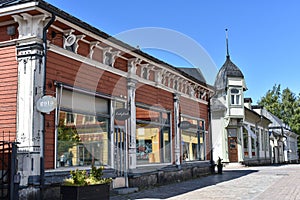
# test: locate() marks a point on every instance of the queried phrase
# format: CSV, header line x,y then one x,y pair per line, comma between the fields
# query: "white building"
x,y
240,135
283,141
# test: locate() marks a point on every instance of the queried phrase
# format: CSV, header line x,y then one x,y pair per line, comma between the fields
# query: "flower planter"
x,y
88,192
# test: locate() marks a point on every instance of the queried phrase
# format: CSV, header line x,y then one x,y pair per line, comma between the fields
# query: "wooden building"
x,y
73,96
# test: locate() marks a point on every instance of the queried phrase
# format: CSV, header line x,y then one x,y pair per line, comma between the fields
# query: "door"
x,y
232,148
119,151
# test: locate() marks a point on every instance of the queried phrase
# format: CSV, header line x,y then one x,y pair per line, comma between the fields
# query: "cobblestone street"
x,y
271,182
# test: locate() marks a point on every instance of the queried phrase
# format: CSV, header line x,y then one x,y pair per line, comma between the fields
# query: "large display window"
x,y
193,140
153,137
82,132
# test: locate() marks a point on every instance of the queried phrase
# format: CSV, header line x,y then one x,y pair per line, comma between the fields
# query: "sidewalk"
x,y
272,182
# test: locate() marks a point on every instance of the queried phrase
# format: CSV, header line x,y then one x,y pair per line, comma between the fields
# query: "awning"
x,y
250,132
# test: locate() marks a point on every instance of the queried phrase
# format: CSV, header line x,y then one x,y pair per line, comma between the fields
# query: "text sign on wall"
x,y
46,104
122,114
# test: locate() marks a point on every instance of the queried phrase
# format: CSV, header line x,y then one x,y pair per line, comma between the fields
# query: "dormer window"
x,y
235,96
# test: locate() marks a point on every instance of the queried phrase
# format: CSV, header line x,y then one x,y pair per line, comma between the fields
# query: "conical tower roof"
x,y
229,69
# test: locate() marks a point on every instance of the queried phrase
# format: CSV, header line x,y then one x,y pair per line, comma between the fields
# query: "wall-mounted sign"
x,y
46,104
122,114
184,125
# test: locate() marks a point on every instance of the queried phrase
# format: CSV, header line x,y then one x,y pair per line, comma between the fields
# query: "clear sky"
x,y
264,35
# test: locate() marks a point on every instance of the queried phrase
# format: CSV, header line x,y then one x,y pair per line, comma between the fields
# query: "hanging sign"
x,y
46,104
184,125
122,114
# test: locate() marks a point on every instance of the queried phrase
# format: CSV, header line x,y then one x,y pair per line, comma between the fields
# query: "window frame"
x,y
235,97
162,124
200,132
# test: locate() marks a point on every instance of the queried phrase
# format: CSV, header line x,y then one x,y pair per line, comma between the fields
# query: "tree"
x,y
285,105
288,102
295,119
271,101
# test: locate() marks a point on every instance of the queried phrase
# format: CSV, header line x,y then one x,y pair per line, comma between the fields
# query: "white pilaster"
x,y
176,129
131,87
29,120
249,143
30,89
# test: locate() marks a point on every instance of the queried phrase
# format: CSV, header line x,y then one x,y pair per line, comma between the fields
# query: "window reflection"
x,y
152,136
82,142
192,140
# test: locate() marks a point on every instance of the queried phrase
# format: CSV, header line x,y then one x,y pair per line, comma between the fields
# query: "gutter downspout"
x,y
42,161
212,163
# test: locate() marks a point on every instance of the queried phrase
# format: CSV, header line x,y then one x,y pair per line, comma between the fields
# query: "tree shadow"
x,y
174,189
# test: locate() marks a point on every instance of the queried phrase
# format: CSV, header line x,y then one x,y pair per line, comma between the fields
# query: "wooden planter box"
x,y
89,192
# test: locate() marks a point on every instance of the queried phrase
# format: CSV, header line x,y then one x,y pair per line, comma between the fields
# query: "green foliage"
x,y
285,105
271,101
81,178
67,138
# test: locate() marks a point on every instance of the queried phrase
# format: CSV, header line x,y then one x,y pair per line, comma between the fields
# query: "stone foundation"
x,y
257,162
147,177
142,177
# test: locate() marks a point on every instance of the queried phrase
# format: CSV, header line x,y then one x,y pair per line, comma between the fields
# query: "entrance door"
x,y
232,147
119,151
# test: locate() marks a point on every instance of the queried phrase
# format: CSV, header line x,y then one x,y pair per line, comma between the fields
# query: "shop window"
x,y
193,140
235,96
153,137
84,142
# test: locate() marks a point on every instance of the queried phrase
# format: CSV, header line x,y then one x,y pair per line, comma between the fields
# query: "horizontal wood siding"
x,y
8,93
194,109
77,74
3,33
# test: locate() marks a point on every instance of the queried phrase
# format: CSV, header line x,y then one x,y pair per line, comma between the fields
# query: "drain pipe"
x,y
212,163
42,160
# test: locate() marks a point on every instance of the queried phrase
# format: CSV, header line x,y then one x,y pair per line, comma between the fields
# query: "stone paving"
x,y
259,183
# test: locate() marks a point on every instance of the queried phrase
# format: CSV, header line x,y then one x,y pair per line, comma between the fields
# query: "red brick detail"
x,y
8,92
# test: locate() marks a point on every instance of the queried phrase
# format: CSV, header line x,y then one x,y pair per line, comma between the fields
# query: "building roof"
x,y
194,72
229,69
62,14
4,3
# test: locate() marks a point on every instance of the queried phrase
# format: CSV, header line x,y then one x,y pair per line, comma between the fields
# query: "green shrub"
x,y
81,178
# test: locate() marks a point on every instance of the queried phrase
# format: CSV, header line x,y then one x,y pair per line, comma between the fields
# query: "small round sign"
x,y
46,104
122,114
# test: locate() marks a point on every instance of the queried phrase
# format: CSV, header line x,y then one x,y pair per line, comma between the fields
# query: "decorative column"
x,y
30,89
176,98
241,150
131,88
249,143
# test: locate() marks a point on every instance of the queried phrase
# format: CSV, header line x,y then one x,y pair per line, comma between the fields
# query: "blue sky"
x,y
264,36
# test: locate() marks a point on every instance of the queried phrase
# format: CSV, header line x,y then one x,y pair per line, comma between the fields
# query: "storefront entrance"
x,y
119,151
232,149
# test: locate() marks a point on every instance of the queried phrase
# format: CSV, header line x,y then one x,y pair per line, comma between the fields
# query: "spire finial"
x,y
227,49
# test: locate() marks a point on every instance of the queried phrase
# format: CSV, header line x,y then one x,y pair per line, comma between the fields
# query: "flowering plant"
x,y
81,178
